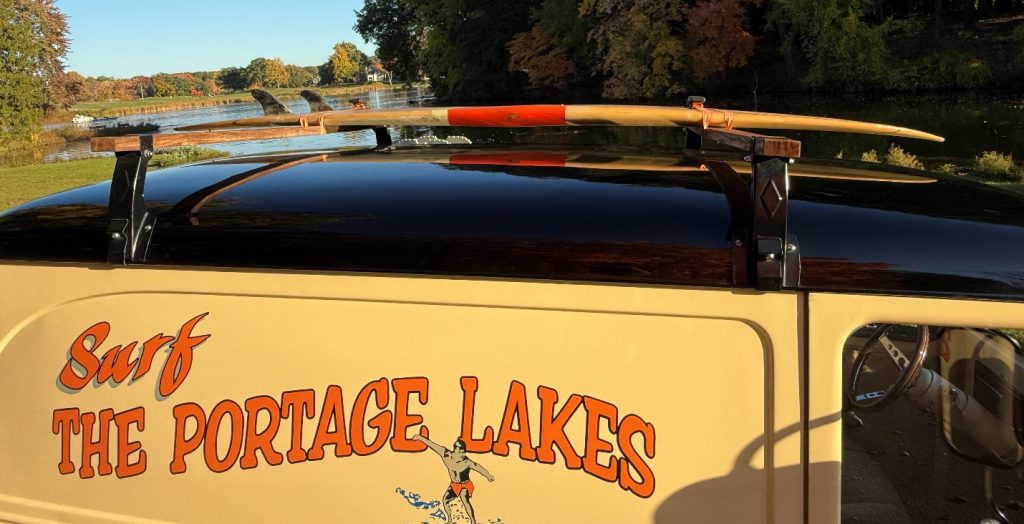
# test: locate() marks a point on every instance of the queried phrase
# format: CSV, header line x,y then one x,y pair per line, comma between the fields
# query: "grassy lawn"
x,y
22,184
172,103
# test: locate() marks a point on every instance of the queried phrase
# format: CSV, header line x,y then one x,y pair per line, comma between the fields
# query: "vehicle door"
x,y
946,447
205,394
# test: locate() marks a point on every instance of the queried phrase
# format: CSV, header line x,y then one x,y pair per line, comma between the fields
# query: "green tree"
x,y
658,49
393,26
326,74
356,55
21,88
298,76
343,64
33,41
642,45
842,51
233,79
266,72
163,86
50,29
464,51
183,83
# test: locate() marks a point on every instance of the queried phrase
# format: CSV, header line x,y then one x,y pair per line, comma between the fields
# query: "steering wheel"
x,y
906,368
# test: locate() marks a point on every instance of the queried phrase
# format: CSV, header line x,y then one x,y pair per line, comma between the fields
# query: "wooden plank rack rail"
x,y
764,253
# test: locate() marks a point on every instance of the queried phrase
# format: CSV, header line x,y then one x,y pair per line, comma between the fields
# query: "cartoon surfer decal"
x,y
458,469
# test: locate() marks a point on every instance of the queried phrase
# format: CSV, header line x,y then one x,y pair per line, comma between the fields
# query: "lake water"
x,y
971,124
172,119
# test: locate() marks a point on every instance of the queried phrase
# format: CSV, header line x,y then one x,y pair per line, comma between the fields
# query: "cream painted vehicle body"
x,y
601,330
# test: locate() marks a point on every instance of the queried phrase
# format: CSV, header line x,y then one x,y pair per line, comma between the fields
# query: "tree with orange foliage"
x,y
718,39
538,54
210,87
141,86
64,90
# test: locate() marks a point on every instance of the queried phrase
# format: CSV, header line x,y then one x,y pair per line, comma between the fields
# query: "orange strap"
x,y
304,121
706,115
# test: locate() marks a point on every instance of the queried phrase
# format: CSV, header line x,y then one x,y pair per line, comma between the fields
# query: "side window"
x,y
933,425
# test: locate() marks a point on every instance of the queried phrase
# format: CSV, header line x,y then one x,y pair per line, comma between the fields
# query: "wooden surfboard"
x,y
568,115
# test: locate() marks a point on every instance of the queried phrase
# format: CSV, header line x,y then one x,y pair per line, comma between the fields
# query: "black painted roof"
x,y
545,213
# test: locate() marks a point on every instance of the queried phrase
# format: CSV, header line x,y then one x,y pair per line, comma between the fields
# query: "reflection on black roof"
x,y
553,213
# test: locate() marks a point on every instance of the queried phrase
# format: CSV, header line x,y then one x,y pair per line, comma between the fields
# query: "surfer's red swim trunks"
x,y
457,487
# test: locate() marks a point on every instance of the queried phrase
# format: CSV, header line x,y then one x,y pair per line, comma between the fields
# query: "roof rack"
x,y
764,253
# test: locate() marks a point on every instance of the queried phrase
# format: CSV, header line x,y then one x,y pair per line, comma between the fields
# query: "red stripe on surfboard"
x,y
509,159
507,116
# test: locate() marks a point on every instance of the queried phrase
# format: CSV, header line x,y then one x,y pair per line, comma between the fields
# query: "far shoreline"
x,y
142,106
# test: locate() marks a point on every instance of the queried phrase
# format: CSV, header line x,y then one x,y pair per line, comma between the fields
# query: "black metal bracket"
x,y
737,193
776,252
765,254
131,225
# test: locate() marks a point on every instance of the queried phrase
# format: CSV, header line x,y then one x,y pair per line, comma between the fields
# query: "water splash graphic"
x,y
458,512
416,501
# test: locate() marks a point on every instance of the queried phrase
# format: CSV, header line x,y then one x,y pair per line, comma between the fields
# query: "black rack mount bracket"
x,y
764,253
130,225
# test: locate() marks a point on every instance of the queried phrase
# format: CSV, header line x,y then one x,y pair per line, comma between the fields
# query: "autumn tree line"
x,y
33,82
345,65
663,49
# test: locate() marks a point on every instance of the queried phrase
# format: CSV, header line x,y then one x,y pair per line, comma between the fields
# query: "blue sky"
x,y
122,38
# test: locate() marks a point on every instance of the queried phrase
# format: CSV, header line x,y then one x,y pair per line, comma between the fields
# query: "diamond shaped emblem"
x,y
771,198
